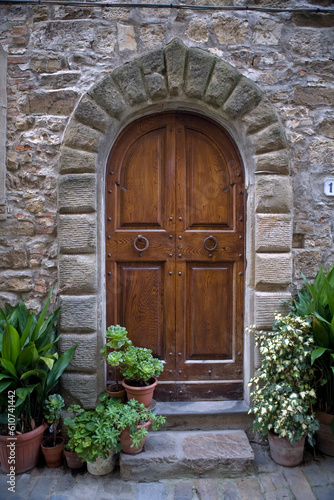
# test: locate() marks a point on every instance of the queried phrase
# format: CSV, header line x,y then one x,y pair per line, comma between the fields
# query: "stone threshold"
x,y
205,415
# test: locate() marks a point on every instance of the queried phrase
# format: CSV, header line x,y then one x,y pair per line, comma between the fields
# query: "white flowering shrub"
x,y
283,391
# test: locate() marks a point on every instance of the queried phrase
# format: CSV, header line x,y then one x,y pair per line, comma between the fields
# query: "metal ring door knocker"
x,y
211,248
145,240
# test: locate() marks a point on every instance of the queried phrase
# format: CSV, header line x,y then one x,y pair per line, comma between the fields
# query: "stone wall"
x,y
64,111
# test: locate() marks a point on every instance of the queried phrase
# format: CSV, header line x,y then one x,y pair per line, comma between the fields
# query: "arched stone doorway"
x,y
173,78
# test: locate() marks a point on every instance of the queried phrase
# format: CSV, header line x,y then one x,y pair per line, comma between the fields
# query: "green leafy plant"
x,y
283,390
92,433
52,409
135,363
29,363
317,302
133,414
117,341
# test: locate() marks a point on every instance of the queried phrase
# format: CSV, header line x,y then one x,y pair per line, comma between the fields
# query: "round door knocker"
x,y
141,250
212,248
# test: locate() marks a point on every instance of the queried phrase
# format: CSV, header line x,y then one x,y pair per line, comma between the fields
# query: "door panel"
x,y
175,251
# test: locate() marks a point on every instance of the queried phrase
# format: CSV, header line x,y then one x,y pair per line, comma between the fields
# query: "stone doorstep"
x,y
205,415
185,454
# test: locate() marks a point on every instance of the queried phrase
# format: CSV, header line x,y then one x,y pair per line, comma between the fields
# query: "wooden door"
x,y
175,252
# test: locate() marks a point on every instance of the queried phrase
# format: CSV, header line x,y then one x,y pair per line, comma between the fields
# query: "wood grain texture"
x,y
176,179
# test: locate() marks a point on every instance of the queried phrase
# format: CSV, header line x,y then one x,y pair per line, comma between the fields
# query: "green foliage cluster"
x,y
133,414
29,362
95,432
135,363
92,433
317,302
283,391
52,409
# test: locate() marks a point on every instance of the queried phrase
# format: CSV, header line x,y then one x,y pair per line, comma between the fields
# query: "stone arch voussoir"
x,y
179,74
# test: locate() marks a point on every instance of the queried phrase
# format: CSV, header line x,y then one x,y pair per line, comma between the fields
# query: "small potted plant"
x,y
52,447
94,436
117,341
283,394
133,420
139,368
317,302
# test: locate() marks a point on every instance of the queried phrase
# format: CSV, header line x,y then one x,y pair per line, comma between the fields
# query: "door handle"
x,y
212,246
141,238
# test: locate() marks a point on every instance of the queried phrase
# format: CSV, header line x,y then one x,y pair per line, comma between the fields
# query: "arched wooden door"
x,y
175,251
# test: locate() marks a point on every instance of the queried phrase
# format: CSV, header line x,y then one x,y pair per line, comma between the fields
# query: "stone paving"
x,y
313,480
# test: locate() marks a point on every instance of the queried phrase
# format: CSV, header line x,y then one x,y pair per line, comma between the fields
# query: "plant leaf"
x,y
40,321
9,367
316,353
59,367
11,344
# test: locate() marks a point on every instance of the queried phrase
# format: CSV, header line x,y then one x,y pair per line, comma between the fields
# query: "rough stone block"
x,y
78,313
223,80
11,281
130,82
175,62
199,65
60,102
153,62
244,97
275,162
77,233
74,161
77,274
269,139
79,136
273,233
273,269
17,228
85,355
156,86
90,114
106,94
260,117
80,389
266,304
273,194
314,96
77,193
179,454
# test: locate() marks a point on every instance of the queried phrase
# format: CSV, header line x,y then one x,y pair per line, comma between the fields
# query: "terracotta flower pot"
x,y
126,440
53,454
72,459
284,453
102,466
25,447
324,436
141,394
116,394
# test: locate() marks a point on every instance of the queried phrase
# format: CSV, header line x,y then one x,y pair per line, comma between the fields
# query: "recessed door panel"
x,y
175,251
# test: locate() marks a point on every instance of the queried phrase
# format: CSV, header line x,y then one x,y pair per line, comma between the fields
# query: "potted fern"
x,y
316,301
283,390
137,364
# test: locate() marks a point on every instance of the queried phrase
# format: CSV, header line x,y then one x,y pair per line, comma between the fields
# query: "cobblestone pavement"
x,y
314,479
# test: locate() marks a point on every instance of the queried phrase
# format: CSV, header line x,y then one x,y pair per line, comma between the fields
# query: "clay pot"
x,y
53,454
284,453
26,448
324,436
126,440
102,466
141,394
116,394
72,459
